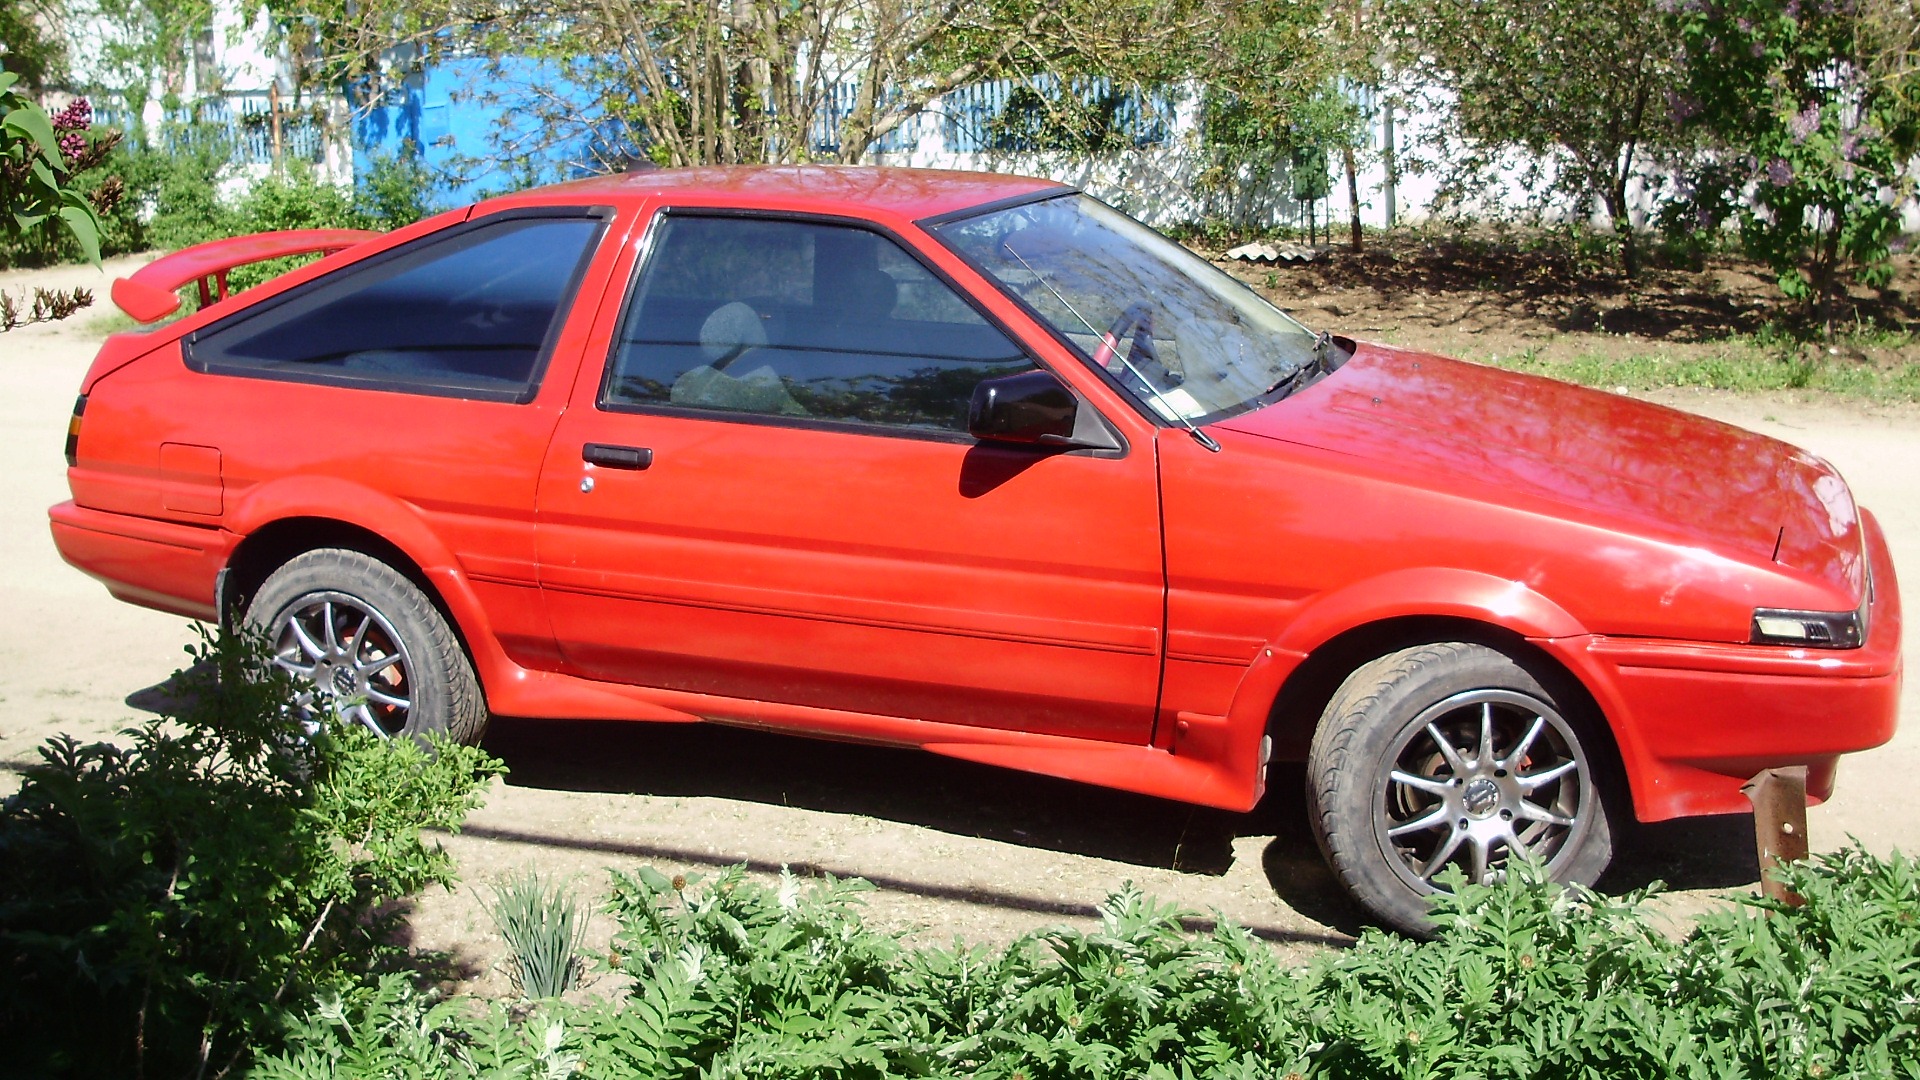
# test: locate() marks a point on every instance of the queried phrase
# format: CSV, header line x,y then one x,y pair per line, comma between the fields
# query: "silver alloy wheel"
x,y
348,650
1477,777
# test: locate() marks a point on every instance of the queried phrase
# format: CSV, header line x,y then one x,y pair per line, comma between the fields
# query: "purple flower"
x,y
72,145
1681,107
1758,50
1804,123
1779,173
1745,24
1793,9
1850,146
75,117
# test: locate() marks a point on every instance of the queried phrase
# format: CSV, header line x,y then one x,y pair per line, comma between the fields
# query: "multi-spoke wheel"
x,y
1452,755
357,630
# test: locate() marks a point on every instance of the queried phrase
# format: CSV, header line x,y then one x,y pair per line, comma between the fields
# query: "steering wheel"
x,y
1141,360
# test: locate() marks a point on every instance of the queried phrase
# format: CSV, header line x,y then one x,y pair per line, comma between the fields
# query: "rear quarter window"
x,y
469,312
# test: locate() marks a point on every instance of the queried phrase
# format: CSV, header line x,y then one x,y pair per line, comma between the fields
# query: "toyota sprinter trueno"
x,y
980,465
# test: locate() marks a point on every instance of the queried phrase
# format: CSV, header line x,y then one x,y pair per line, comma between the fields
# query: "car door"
x,y
769,496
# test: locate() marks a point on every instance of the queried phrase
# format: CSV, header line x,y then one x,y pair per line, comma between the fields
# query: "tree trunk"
x,y
1622,221
1353,196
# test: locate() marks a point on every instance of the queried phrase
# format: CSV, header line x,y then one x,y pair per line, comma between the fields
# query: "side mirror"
x,y
1031,407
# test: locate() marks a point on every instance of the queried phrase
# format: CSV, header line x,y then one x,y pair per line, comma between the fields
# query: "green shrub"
x,y
162,901
1524,979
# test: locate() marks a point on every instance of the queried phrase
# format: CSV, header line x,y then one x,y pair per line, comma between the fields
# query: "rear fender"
x,y
399,524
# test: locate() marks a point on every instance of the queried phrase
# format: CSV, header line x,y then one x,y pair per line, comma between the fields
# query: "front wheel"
x,y
370,639
1454,755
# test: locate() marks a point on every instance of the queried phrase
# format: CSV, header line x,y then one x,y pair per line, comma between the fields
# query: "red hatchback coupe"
x,y
980,465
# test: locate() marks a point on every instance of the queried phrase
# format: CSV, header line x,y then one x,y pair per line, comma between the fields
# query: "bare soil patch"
x,y
1493,297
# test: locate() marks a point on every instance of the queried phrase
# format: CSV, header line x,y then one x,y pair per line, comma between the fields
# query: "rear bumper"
x,y
156,564
1695,721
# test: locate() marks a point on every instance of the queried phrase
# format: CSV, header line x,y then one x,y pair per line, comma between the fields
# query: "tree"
x,y
1576,84
1811,110
1273,99
30,45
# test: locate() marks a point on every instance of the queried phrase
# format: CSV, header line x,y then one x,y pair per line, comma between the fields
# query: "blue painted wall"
x,y
457,114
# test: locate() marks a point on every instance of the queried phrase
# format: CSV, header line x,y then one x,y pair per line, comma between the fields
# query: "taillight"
x,y
73,431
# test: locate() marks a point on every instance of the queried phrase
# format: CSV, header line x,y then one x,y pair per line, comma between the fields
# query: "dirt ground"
x,y
954,849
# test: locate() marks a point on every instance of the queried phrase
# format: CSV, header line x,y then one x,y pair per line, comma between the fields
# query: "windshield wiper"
x,y
1322,364
1166,406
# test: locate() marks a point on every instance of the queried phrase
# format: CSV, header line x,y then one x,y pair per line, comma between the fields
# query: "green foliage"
x,y
1808,141
1272,106
36,175
1524,979
160,900
544,930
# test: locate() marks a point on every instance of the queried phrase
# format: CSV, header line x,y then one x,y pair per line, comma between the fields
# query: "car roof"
x,y
850,190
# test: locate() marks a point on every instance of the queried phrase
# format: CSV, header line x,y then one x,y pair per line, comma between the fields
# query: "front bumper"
x,y
156,564
1695,721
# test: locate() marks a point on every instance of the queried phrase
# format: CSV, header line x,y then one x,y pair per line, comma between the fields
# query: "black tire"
x,y
1376,768
335,615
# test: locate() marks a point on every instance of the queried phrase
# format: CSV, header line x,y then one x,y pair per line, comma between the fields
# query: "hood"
x,y
1586,455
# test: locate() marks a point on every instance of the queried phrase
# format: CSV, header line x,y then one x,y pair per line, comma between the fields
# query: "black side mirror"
x,y
1031,407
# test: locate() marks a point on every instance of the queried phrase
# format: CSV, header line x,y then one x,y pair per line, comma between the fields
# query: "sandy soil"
x,y
954,848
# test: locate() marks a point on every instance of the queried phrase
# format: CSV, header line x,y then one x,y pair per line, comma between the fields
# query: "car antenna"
x,y
1199,436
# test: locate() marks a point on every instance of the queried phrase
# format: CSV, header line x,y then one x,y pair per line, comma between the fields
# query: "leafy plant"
x,y
1524,980
38,159
545,933
1810,140
163,901
47,305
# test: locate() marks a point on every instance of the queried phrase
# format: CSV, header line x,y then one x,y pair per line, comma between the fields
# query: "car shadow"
x,y
964,798
968,799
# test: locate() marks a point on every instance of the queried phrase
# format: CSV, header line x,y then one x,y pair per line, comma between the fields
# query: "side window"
x,y
469,314
790,318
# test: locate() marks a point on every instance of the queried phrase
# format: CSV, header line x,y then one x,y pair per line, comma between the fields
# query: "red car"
x,y
980,465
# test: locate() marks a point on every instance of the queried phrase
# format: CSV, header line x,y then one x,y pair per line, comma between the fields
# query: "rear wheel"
x,y
1449,755
361,632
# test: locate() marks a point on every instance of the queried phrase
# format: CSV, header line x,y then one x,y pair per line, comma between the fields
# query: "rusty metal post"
x,y
1779,798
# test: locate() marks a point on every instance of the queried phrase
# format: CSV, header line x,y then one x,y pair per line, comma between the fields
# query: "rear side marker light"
x,y
73,431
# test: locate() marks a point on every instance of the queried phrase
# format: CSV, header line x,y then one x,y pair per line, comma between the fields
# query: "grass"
x,y
112,321
1742,365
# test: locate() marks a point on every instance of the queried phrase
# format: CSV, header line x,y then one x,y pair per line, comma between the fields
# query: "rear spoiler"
x,y
149,295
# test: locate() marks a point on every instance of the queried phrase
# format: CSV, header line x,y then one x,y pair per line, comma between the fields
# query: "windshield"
x,y
1186,339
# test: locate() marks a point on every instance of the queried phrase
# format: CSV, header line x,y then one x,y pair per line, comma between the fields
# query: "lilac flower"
x,y
1804,123
1758,50
72,145
75,117
1779,173
1850,146
1745,24
1793,9
1681,107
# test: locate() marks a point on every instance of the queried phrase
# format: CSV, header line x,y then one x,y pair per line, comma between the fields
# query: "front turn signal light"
x,y
1815,629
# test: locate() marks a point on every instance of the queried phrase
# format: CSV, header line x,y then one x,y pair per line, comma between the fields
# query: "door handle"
x,y
609,456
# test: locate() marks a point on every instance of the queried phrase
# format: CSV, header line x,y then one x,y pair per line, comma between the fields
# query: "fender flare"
x,y
1431,592
393,520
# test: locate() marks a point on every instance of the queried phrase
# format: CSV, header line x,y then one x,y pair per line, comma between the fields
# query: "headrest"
x,y
731,330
